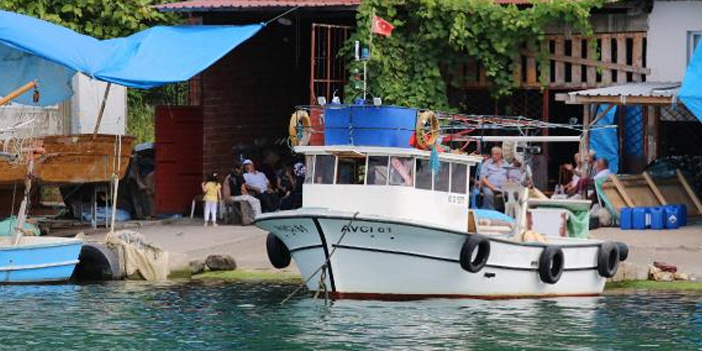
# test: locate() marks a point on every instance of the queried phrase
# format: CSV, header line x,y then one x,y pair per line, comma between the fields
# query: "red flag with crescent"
x,y
382,27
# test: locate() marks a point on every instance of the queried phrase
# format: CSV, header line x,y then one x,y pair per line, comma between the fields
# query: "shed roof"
x,y
228,5
232,5
647,93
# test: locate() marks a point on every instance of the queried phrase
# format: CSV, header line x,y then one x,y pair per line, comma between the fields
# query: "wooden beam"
x,y
690,192
654,188
602,114
560,65
13,95
638,55
621,58
622,191
606,53
576,51
592,63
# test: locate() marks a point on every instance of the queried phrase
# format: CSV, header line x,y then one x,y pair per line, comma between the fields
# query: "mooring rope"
x,y
344,230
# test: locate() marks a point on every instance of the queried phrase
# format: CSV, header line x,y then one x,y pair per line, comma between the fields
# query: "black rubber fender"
x,y
471,260
608,259
97,262
278,253
551,264
623,251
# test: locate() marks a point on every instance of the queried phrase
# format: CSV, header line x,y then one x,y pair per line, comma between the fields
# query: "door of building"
x,y
178,157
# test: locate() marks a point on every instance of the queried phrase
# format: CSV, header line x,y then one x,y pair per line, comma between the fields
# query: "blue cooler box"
x,y
368,125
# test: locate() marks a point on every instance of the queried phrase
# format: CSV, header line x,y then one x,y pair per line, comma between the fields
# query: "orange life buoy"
x,y
300,129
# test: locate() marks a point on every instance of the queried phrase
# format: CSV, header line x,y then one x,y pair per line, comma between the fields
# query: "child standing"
x,y
212,196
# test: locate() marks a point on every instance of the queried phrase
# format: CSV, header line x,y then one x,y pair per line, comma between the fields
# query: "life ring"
x,y
471,260
608,259
551,263
426,138
278,253
623,251
300,129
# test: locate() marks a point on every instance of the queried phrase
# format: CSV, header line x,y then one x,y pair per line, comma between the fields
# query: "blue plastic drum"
x,y
625,218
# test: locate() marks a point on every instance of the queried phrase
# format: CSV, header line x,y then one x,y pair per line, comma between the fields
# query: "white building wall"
x,y
669,24
86,102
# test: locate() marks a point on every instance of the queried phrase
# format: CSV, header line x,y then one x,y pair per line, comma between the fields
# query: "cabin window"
x,y
351,170
441,178
377,170
459,172
423,172
309,164
324,169
401,171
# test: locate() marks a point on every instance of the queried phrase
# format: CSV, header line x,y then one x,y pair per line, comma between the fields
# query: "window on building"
x,y
423,174
459,174
693,38
441,178
401,171
377,170
351,170
324,169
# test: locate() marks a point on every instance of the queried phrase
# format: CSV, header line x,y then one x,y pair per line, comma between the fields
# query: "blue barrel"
x,y
639,217
672,218
657,218
625,218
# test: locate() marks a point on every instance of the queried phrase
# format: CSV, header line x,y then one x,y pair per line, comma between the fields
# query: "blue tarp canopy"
x,y
32,49
691,90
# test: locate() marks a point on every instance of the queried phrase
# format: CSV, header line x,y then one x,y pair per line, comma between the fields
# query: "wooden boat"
x,y
37,259
71,159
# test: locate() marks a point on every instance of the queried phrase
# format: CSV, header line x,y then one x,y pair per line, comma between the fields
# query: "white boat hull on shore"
x,y
382,258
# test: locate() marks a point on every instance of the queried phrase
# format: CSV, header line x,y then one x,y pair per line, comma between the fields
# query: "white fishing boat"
x,y
380,222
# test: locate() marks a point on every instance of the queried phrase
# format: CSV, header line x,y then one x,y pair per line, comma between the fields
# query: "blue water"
x,y
248,316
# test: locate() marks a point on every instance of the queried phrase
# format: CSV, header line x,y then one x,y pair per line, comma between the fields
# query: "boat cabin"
x,y
389,182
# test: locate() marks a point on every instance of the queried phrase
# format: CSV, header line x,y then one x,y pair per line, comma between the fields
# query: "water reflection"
x,y
201,316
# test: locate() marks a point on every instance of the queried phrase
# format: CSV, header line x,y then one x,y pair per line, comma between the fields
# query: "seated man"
x,y
602,167
257,184
235,190
493,176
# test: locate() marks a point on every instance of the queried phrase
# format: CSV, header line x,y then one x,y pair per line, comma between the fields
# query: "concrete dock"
x,y
247,244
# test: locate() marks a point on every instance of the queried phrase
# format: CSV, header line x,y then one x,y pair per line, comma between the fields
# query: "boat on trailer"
x,y
381,222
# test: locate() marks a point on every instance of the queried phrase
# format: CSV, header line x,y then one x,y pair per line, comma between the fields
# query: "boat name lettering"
x,y
366,229
297,228
457,199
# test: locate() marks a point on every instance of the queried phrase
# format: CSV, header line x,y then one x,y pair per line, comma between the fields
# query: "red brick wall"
x,y
250,93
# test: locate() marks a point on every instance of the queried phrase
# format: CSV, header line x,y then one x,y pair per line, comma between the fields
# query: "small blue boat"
x,y
38,259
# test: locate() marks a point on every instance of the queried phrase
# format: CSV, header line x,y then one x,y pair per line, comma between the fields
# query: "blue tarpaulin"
x,y
691,90
32,49
605,141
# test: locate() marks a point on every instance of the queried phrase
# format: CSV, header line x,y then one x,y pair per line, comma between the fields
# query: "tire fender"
x,y
278,253
623,251
475,253
608,257
551,263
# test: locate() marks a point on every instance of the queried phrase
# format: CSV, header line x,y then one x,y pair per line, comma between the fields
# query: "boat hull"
x,y
38,260
74,159
389,259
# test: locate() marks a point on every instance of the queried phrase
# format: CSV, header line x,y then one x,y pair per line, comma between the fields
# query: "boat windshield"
x,y
404,171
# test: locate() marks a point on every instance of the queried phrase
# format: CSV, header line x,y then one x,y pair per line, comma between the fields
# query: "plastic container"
x,y
625,218
639,215
657,218
672,219
368,125
682,214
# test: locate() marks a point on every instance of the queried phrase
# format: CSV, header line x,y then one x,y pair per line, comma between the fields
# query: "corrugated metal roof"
x,y
647,89
223,5
220,5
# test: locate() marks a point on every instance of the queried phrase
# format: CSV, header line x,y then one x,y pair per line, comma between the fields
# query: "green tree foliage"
x,y
104,19
434,38
98,18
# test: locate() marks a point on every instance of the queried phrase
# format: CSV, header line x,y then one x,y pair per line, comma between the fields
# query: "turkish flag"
x,y
382,26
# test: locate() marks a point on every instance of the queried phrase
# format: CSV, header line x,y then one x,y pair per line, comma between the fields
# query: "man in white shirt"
x,y
602,169
257,184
